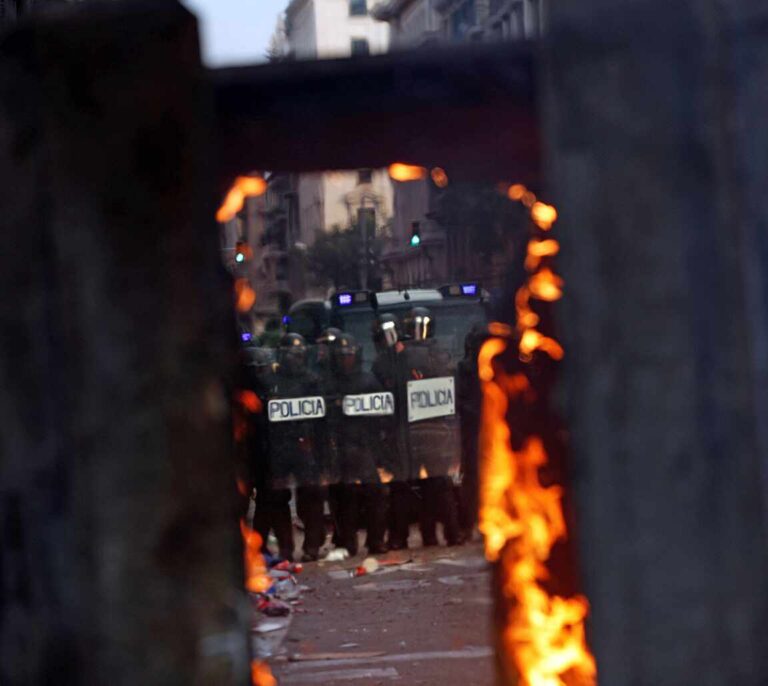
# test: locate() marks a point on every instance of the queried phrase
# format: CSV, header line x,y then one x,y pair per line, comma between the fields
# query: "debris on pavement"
x,y
455,580
310,657
337,555
400,585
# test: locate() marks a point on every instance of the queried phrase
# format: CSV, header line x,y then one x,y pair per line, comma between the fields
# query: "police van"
x,y
456,308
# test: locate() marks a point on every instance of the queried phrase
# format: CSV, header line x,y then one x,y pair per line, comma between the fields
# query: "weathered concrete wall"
x,y
118,551
656,135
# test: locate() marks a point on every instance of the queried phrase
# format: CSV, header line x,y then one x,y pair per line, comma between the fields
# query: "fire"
x,y
261,675
385,476
245,296
543,215
439,177
543,284
256,578
521,521
538,249
516,191
407,172
532,340
546,285
243,187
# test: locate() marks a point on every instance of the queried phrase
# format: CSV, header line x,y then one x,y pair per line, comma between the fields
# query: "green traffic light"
x,y
415,240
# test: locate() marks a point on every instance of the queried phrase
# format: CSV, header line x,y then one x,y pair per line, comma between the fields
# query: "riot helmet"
x,y
386,330
293,353
419,324
324,342
329,335
345,353
260,360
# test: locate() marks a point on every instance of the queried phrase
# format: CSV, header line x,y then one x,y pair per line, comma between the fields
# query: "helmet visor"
x,y
422,327
389,334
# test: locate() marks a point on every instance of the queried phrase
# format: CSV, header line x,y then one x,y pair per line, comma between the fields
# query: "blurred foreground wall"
x,y
118,547
657,139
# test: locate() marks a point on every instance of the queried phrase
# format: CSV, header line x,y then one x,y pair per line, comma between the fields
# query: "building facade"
x,y
442,254
322,29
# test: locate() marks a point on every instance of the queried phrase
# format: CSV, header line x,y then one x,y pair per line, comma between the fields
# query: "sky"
x,y
235,31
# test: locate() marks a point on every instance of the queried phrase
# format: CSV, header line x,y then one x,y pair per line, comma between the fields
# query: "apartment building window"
x,y
360,47
364,176
366,219
358,8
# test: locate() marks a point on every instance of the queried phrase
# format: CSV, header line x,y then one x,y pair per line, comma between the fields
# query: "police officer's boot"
x,y
309,505
375,503
399,514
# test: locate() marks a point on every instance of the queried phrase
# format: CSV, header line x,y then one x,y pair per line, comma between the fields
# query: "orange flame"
x,y
546,285
532,340
521,521
516,191
256,578
261,675
406,172
245,296
243,187
543,215
439,177
385,476
538,249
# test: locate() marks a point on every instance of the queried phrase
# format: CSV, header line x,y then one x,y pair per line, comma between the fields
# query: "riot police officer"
x,y
322,366
469,402
272,511
295,416
433,439
390,369
356,405
323,350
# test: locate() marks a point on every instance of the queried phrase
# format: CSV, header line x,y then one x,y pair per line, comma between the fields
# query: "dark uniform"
x,y
355,438
322,366
433,442
391,370
469,404
272,511
297,445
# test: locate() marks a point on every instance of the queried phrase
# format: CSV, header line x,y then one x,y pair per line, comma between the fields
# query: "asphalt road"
x,y
425,622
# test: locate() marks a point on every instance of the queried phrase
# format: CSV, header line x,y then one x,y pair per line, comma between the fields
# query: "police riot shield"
x,y
295,421
326,425
430,413
393,418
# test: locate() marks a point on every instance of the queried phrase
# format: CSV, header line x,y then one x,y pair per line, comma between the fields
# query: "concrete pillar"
x,y
655,118
119,548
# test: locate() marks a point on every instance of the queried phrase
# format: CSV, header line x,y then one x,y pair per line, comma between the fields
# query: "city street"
x,y
422,618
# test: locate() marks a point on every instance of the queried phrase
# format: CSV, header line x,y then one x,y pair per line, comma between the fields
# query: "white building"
x,y
318,29
321,29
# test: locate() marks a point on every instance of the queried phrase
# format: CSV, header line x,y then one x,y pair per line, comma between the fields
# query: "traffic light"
x,y
415,241
243,252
